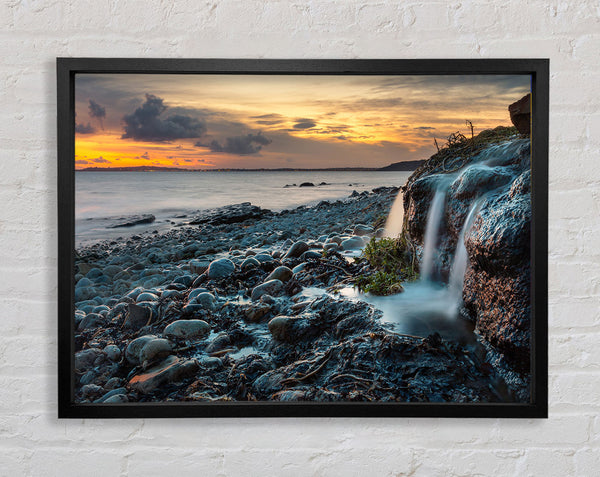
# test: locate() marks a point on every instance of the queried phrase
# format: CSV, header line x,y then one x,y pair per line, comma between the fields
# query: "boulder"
x,y
187,329
134,348
131,220
296,250
520,114
353,243
171,370
272,287
230,214
290,329
280,273
221,268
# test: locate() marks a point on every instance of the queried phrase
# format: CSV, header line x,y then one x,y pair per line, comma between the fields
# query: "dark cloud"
x,y
84,128
81,161
145,156
425,128
341,138
145,123
304,123
96,111
100,160
269,119
240,145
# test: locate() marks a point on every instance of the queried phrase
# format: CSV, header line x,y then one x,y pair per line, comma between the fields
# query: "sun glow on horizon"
x,y
239,121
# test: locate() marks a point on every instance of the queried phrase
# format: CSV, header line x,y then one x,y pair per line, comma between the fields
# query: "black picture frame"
x,y
67,68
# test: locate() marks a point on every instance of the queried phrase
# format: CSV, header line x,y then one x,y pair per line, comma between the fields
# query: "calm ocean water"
x,y
169,194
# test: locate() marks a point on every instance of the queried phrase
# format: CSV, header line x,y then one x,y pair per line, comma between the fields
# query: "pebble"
x,y
362,230
132,353
155,349
270,287
353,243
113,353
204,299
221,268
249,263
146,296
280,273
187,329
199,266
296,249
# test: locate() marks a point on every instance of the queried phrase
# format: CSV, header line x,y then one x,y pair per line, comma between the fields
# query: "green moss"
x,y
380,283
392,262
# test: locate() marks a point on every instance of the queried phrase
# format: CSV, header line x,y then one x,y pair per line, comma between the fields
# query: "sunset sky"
x,y
251,121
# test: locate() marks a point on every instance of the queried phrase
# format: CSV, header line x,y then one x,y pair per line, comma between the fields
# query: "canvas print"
x,y
302,238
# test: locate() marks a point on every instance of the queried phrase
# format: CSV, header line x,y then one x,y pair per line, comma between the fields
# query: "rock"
x,y
84,282
496,288
254,314
299,268
111,270
362,230
112,383
88,378
88,358
280,273
91,320
171,370
132,352
211,363
94,273
155,349
187,329
311,254
113,353
221,268
272,287
290,329
135,292
264,258
199,266
206,300
331,246
131,220
520,114
296,250
137,316
306,184
146,296
91,390
116,399
230,214
195,292
250,262
185,280
111,393
220,342
353,243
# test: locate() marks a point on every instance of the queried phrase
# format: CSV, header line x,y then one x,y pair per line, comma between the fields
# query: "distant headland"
x,y
396,166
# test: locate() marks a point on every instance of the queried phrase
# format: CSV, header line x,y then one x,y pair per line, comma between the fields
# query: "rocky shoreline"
x,y
246,304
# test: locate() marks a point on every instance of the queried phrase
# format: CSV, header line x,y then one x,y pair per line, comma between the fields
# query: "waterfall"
x,y
461,258
393,224
434,219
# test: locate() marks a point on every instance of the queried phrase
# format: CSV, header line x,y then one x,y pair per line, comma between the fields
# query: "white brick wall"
x,y
33,32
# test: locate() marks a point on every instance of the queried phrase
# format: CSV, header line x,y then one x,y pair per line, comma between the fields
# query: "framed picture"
x,y
302,237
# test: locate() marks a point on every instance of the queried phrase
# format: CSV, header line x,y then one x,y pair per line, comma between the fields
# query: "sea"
x,y
175,196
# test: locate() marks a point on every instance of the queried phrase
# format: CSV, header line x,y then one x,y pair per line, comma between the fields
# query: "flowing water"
x,y
428,305
395,220
434,220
